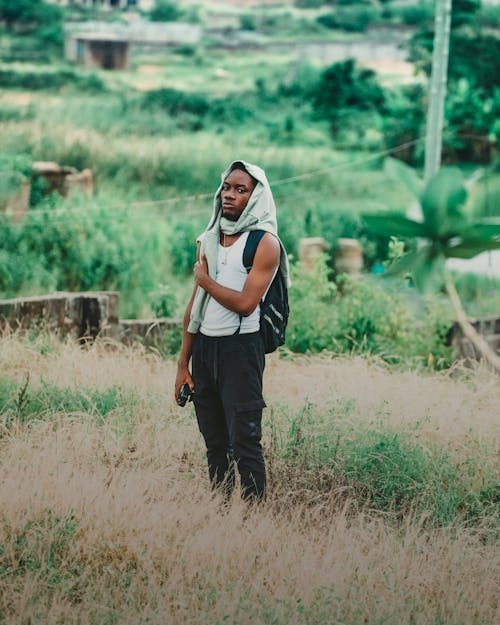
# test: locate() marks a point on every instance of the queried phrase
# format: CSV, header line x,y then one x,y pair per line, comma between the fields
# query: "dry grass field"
x,y
105,514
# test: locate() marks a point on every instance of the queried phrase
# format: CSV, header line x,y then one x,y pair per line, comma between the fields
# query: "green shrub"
x,y
405,121
414,15
163,301
331,224
165,11
350,18
50,79
365,315
379,469
175,102
471,118
36,20
344,90
181,244
13,171
84,249
300,82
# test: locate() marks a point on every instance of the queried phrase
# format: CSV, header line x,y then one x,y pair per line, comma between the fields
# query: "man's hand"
x,y
201,270
183,377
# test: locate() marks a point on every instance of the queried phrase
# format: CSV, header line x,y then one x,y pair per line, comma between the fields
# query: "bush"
x,y
163,301
165,11
50,79
182,245
83,249
36,19
414,15
344,89
471,118
363,315
13,171
379,470
350,18
176,102
405,122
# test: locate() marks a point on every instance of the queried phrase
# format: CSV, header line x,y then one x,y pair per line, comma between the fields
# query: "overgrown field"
x,y
382,505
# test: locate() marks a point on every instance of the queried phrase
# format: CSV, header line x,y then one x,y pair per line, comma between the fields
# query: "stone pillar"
x,y
17,204
309,248
348,256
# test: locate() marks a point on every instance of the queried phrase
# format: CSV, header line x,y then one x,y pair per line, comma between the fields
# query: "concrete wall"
x,y
488,327
83,316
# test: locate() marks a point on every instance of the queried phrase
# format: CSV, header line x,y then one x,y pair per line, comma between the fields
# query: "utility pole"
x,y
437,91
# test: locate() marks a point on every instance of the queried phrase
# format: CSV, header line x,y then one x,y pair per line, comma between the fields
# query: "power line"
x,y
76,211
203,196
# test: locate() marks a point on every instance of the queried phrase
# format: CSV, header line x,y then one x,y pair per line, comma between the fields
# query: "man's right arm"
x,y
183,373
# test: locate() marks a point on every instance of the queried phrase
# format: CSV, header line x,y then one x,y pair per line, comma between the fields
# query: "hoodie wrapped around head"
x,y
259,214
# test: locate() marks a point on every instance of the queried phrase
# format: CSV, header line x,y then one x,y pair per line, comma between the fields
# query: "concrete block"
x,y
81,315
309,248
348,256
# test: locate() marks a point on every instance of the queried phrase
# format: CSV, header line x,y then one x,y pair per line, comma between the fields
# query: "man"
x,y
221,329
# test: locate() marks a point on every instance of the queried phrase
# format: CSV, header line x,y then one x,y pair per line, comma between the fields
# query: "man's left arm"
x,y
266,260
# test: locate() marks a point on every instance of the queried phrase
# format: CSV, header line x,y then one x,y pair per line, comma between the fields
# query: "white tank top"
x,y
231,273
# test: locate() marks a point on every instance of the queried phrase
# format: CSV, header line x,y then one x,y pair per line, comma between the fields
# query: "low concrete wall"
x,y
80,315
488,327
83,316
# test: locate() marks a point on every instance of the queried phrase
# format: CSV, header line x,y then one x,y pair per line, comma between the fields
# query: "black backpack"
x,y
274,309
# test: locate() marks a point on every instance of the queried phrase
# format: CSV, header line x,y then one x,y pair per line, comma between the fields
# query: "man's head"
x,y
237,189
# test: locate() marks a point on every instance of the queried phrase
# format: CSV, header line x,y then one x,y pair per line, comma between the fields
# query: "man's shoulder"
x,y
262,245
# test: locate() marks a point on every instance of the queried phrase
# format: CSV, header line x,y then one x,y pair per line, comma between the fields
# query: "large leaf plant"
x,y
443,231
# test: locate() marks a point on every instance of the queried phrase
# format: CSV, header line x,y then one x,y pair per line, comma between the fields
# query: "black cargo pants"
x,y
227,375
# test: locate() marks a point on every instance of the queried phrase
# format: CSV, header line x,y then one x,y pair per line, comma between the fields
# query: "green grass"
x,y
391,472
23,403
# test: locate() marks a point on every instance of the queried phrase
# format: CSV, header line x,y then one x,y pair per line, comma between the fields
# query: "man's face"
x,y
236,191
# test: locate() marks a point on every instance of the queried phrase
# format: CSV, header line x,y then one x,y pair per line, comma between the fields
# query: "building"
x,y
107,45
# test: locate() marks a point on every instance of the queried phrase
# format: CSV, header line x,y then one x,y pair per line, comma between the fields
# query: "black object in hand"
x,y
185,395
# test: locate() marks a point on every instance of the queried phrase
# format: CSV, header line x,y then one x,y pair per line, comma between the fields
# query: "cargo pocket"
x,y
248,422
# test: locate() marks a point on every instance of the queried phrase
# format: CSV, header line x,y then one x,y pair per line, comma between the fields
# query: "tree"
x,y
344,87
42,22
444,232
28,15
165,11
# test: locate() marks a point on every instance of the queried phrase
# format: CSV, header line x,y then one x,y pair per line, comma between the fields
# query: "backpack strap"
x,y
253,240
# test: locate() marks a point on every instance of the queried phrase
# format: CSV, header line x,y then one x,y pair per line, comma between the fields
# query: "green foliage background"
x,y
321,132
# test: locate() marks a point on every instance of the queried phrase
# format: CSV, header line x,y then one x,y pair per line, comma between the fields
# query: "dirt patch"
x,y
17,98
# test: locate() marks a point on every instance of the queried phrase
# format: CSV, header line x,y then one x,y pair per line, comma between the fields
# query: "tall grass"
x,y
105,516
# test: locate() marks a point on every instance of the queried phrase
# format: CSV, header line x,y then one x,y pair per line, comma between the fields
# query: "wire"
x,y
203,196
76,211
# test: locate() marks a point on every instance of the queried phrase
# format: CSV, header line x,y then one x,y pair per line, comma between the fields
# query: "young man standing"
x,y
221,328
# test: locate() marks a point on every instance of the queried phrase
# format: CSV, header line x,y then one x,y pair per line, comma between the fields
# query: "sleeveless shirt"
x,y
231,273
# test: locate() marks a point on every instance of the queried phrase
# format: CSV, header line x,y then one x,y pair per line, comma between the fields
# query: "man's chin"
x,y
230,216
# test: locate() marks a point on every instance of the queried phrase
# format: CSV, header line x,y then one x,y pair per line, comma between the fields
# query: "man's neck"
x,y
228,239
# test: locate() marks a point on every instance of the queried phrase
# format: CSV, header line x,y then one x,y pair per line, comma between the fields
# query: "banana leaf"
x,y
442,200
396,225
469,249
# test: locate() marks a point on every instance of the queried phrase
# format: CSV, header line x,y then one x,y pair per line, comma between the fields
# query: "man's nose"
x,y
228,193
